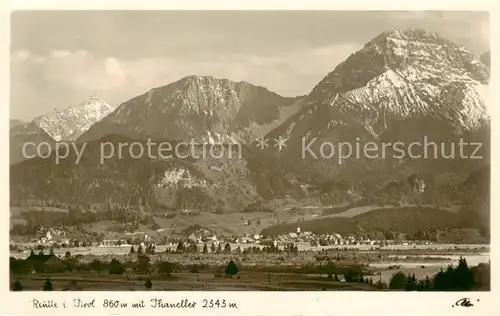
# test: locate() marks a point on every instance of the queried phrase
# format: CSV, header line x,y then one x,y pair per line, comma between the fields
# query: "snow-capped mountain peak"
x,y
407,73
70,123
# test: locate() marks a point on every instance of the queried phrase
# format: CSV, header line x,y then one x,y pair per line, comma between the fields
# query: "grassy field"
x,y
306,270
247,281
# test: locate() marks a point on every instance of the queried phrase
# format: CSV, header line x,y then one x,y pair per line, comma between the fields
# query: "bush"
x,y
148,284
96,265
398,281
47,286
353,275
115,267
231,269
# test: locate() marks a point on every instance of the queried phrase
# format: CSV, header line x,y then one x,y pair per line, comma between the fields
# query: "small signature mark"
x,y
464,302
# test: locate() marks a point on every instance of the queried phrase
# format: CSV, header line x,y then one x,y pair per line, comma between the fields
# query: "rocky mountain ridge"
x,y
202,108
68,124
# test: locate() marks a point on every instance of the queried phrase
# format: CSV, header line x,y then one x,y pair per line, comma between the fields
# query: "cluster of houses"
x,y
203,236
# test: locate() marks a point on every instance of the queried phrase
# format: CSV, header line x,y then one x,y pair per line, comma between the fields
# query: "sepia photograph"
x,y
249,151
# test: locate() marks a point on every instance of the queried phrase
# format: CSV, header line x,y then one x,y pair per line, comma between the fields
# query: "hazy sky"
x,y
62,58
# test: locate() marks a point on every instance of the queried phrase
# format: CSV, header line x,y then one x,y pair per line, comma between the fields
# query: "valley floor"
x,y
185,281
261,272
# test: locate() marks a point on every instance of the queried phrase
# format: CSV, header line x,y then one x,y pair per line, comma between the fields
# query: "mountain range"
x,y
403,85
195,107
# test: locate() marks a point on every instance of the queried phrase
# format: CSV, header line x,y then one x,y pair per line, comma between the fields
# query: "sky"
x,y
61,58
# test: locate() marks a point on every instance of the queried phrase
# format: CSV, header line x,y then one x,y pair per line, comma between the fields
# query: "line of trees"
x,y
218,249
460,278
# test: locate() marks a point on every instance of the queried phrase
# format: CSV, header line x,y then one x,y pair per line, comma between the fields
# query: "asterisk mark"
x,y
262,143
280,143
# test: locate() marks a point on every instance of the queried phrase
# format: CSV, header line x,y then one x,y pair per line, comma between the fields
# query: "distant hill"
x,y
226,184
404,220
22,133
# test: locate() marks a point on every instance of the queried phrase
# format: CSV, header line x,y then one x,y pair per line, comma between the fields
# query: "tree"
x,y
353,275
17,286
181,247
398,281
148,284
205,249
238,250
47,286
96,265
67,255
231,269
463,276
427,283
227,248
219,249
132,250
213,248
32,253
143,264
115,267
439,281
411,283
